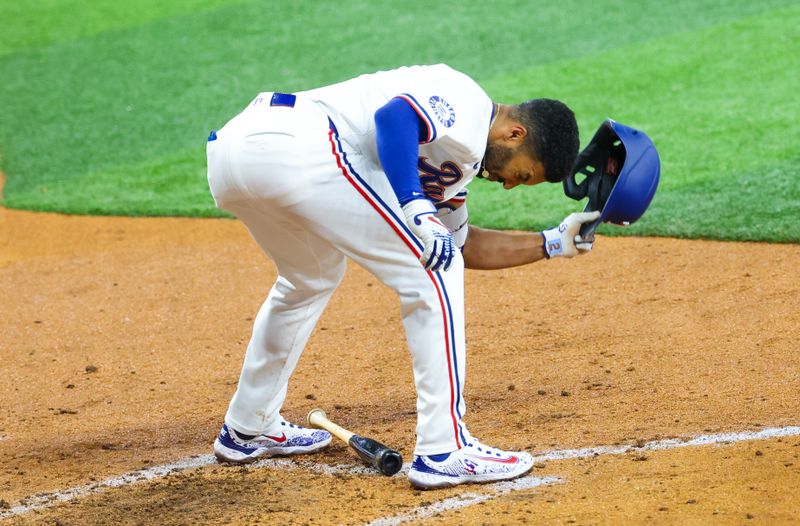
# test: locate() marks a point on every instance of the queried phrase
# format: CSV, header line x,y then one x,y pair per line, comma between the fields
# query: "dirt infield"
x,y
122,341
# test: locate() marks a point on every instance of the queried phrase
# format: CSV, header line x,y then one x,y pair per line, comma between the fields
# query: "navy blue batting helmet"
x,y
622,169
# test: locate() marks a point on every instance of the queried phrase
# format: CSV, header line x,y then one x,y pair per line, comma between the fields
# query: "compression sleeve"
x,y
398,129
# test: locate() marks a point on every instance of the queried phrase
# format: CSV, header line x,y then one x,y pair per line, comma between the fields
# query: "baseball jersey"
x,y
456,111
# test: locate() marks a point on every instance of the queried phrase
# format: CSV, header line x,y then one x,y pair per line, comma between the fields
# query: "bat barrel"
x,y
390,462
384,459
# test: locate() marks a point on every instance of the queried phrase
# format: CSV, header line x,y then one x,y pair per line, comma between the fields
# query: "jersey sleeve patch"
x,y
423,114
443,111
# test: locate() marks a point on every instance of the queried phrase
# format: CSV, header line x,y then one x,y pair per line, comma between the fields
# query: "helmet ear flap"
x,y
599,163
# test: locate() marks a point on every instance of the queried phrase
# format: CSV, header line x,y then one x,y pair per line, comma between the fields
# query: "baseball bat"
x,y
384,459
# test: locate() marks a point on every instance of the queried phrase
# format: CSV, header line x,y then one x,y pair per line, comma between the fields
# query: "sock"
x,y
243,436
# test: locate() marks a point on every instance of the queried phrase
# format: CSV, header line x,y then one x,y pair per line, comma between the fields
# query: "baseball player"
x,y
375,169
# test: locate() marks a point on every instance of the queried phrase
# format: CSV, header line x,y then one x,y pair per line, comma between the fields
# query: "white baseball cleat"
x,y
230,446
473,463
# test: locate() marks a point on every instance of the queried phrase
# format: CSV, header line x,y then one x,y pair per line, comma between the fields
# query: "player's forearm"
x,y
494,249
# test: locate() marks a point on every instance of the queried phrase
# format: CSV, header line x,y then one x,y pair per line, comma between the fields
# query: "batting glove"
x,y
437,239
565,240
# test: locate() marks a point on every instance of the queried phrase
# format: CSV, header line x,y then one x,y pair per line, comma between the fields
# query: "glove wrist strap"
x,y
553,244
416,207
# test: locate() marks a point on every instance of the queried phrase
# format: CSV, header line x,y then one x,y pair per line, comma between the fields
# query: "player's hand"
x,y
437,239
565,240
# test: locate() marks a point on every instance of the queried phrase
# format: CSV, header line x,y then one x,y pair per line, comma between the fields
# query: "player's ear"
x,y
516,133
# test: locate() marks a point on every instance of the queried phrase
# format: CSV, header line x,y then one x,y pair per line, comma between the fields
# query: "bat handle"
x,y
318,419
587,230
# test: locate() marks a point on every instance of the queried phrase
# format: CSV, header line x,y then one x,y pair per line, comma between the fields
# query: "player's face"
x,y
512,167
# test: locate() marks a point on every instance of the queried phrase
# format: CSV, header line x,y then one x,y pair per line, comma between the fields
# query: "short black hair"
x,y
552,135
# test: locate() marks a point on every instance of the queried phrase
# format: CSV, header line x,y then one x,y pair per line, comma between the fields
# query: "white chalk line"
x,y
463,500
45,500
468,499
670,443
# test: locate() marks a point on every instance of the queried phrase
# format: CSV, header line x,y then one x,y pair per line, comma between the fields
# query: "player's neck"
x,y
499,122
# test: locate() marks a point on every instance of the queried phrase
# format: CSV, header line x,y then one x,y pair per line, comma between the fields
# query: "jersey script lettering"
x,y
435,180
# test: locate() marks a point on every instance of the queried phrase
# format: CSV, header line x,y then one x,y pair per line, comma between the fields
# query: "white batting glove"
x,y
439,246
565,240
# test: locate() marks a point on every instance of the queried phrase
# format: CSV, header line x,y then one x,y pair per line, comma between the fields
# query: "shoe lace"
x,y
284,423
477,445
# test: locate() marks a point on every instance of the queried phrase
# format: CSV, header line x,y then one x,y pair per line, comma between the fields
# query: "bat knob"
x,y
313,421
390,462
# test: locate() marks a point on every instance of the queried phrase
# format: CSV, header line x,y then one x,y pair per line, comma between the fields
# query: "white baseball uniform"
x,y
302,172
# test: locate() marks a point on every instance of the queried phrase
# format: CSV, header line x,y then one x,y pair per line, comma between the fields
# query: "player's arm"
x,y
398,133
493,249
487,249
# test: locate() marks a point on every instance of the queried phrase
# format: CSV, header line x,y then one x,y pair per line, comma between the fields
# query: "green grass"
x,y
171,185
106,105
40,22
727,129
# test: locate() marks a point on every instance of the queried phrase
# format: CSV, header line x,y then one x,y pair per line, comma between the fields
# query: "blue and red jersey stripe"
x,y
416,248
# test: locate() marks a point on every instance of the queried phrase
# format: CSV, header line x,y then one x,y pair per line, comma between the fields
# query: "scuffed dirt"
x,y
122,340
